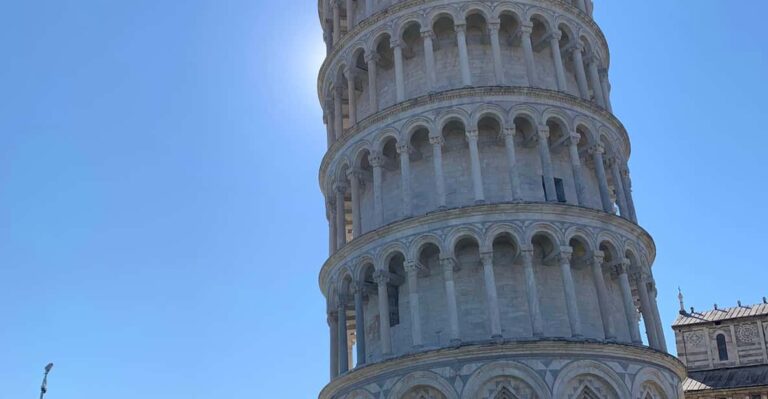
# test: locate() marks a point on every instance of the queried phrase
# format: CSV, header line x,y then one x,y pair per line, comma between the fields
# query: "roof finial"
x,y
739,302
716,307
765,300
680,297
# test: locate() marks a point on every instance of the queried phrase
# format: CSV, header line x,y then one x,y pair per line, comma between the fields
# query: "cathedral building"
x,y
725,351
484,241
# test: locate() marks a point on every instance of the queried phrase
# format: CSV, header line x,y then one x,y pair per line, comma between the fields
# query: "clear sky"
x,y
161,225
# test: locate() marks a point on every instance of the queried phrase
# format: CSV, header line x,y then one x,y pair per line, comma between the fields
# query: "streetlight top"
x,y
48,367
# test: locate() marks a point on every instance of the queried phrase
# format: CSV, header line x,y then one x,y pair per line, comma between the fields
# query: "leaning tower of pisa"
x,y
483,242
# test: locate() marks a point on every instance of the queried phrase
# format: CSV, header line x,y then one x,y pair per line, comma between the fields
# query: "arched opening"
x,y
447,69
531,177
431,296
457,165
414,69
363,164
391,187
512,57
469,280
542,54
385,71
479,49
495,177
545,261
515,321
397,298
370,311
559,140
423,193
567,42
722,347
586,293
362,86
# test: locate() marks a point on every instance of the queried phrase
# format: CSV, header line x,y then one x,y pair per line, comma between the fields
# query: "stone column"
x,y
645,308
328,120
554,44
594,77
498,68
341,222
581,75
343,343
613,162
450,293
399,78
412,269
372,59
437,160
537,324
606,85
546,165
336,22
514,176
474,157
377,161
492,297
333,324
530,65
350,16
332,225
627,182
571,302
355,177
352,96
382,280
405,178
581,5
360,323
655,309
605,197
602,295
461,38
621,269
429,58
338,116
578,177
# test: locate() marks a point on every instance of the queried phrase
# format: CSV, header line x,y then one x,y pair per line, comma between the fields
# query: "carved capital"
x,y
598,258
487,258
597,149
575,138
508,132
494,27
472,135
428,34
448,264
460,28
621,267
395,43
372,56
376,160
439,140
543,132
403,149
575,47
555,35
565,255
340,187
413,268
381,277
526,28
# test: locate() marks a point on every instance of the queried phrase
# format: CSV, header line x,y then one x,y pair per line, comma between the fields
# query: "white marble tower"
x,y
483,237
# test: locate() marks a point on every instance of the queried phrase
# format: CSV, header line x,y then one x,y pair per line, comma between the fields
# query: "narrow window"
x,y
560,189
393,294
722,348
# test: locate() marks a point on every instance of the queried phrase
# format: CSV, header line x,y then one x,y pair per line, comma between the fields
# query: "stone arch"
x,y
512,10
611,247
557,116
406,22
457,115
527,112
422,379
585,126
580,234
422,241
412,125
569,376
546,229
504,369
385,136
378,35
489,110
536,14
388,252
361,153
442,12
459,234
498,230
354,52
476,8
649,379
361,267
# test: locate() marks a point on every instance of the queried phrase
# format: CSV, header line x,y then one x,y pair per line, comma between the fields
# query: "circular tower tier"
x,y
484,241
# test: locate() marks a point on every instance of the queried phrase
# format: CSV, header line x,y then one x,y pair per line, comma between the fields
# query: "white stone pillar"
x,y
450,293
429,58
341,222
351,93
594,77
530,65
412,270
621,196
532,291
546,164
474,157
578,176
461,38
498,68
571,302
405,178
377,161
350,16
338,116
356,179
581,75
342,331
621,269
605,197
554,44
491,295
645,308
372,59
659,325
582,5
512,170
382,280
602,295
399,78
332,225
336,22
606,85
628,191
333,324
360,324
437,160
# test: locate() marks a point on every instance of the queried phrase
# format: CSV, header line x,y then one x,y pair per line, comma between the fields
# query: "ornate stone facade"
x,y
483,236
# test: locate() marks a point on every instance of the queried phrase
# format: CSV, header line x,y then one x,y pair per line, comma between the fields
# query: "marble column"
x,y
594,77
602,181
360,323
338,116
336,22
429,58
412,270
621,269
437,160
341,217
550,191
571,303
582,5
602,295
399,77
578,173
350,15
649,319
351,93
333,324
532,291
332,225
461,38
581,75
343,345
498,68
377,161
448,266
382,280
355,177
491,295
554,44
606,85
372,59
621,197
628,191
512,168
657,318
530,65
405,178
474,157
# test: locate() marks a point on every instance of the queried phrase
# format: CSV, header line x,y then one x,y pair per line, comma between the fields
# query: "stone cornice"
x,y
508,350
483,92
351,36
560,211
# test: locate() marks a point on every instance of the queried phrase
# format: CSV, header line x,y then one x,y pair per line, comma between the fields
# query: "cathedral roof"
x,y
732,378
721,314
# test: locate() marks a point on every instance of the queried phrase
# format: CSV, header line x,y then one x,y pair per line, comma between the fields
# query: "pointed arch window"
x,y
722,347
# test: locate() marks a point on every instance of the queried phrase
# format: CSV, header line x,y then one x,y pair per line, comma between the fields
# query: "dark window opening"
x,y
393,294
559,190
722,348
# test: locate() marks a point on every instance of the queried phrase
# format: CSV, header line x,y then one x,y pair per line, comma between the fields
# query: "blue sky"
x,y
161,227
